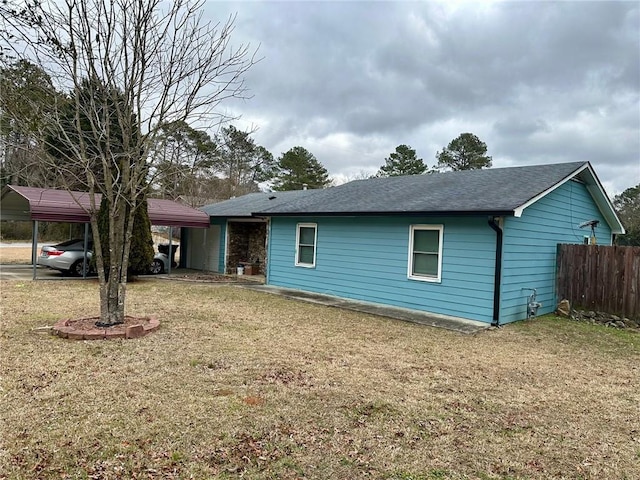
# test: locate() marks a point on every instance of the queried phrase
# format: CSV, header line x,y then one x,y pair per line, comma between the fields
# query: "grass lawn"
x,y
243,384
15,255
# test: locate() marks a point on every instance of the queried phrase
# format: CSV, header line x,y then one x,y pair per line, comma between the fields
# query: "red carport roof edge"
x,y
53,205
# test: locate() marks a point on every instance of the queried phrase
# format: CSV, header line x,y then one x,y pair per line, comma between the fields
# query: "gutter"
x,y
494,223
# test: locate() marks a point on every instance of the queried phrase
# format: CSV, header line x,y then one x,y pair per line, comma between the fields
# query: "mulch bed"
x,y
213,278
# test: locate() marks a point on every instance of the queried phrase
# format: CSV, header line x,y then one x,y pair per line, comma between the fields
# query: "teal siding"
x,y
530,244
366,258
223,243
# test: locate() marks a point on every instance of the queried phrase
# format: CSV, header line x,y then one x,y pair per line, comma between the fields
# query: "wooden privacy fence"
x,y
601,278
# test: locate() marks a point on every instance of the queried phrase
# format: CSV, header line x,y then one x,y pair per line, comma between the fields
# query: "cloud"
x,y
538,82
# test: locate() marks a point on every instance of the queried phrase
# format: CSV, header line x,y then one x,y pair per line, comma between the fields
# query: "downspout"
x,y
494,223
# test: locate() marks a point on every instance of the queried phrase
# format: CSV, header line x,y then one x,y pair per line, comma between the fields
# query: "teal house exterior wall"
x,y
223,243
530,245
366,258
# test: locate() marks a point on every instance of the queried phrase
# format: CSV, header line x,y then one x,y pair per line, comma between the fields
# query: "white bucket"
x,y
240,270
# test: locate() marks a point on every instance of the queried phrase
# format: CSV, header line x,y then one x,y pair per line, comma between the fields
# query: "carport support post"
x,y
86,244
170,249
34,248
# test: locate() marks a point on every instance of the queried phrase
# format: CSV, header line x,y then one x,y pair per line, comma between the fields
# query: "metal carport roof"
x,y
44,204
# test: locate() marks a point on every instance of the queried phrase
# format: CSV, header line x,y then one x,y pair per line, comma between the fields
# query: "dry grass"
x,y
242,384
15,255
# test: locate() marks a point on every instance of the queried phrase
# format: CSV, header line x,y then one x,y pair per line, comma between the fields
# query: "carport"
x,y
50,205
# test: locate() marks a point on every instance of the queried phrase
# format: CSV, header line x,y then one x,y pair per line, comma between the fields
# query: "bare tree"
x,y
145,63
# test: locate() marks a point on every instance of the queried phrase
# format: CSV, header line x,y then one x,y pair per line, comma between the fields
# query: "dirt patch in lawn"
x,y
241,384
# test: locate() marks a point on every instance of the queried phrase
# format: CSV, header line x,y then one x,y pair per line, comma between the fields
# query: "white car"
x,y
160,264
67,257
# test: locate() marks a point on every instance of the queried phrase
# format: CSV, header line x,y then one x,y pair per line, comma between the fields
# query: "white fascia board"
x,y
594,187
604,204
518,211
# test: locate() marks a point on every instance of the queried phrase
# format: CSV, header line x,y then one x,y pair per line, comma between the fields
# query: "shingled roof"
x,y
494,191
245,205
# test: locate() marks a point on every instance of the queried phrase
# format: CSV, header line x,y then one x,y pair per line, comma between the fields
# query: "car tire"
x,y
157,267
76,268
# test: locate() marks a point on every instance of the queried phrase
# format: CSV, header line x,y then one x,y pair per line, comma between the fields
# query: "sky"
x,y
538,82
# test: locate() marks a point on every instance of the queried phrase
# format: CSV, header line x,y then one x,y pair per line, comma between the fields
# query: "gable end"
x,y
586,175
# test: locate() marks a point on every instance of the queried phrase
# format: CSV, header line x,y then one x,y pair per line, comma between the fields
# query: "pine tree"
x,y
299,167
628,207
466,152
243,163
403,161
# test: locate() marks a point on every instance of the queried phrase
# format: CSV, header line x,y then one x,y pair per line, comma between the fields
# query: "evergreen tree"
x,y
403,161
75,130
27,98
141,251
299,167
186,162
466,152
243,163
628,206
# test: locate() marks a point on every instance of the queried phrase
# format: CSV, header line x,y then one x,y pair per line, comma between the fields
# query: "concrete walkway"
x,y
460,325
25,273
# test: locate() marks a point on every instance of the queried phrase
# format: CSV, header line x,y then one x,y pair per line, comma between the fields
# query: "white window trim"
x,y
315,244
424,278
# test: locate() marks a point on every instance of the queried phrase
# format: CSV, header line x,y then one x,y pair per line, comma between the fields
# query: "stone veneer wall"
x,y
246,244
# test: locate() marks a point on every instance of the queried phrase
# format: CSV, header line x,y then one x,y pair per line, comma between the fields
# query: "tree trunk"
x,y
112,298
113,287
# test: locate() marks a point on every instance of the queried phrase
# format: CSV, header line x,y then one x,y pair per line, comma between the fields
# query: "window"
x,y
425,252
306,245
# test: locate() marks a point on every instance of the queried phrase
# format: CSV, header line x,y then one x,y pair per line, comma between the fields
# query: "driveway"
x,y
25,272
17,256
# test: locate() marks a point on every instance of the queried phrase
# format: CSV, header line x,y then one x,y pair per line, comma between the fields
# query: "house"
x,y
235,236
468,244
